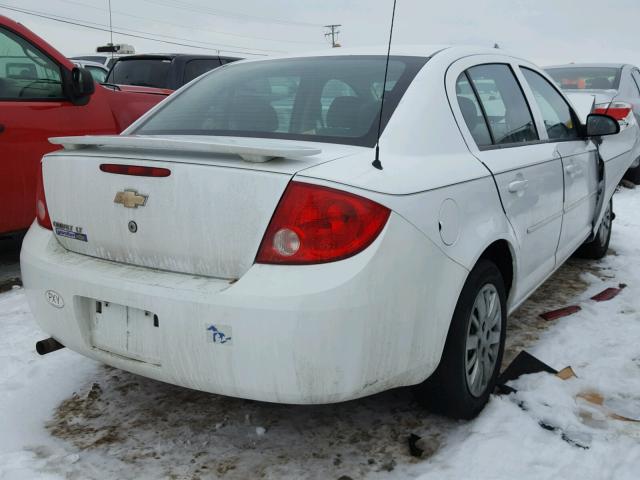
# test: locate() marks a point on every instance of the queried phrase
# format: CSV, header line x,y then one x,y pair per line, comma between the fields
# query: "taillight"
x,y
316,224
618,110
135,170
42,213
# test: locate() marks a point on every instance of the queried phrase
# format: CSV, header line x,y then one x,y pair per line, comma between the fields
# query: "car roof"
x,y
89,63
588,65
172,56
425,51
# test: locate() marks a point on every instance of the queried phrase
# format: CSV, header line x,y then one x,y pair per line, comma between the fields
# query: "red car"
x,y
43,95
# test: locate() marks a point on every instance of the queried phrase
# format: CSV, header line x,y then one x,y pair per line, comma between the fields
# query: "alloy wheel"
x,y
483,339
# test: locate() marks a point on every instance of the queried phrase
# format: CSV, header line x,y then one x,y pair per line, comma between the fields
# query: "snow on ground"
x,y
63,416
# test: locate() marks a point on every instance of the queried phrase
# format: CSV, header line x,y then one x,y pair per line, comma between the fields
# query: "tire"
x,y
597,248
453,390
633,175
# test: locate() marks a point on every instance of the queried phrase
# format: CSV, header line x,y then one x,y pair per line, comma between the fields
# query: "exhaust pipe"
x,y
47,346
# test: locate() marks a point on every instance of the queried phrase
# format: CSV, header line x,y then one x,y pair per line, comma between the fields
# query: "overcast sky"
x,y
545,31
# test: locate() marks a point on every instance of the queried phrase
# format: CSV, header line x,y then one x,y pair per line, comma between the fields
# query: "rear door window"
x,y
558,117
507,112
472,111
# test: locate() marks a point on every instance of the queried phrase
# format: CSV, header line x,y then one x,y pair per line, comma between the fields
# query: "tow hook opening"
x,y
48,345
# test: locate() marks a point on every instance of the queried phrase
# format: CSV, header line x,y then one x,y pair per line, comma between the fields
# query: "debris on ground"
x,y
560,312
608,293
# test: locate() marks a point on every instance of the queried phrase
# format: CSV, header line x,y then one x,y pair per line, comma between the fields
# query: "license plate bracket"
x,y
126,331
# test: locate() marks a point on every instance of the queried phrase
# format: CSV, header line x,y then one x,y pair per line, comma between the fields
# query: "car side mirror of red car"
x,y
82,86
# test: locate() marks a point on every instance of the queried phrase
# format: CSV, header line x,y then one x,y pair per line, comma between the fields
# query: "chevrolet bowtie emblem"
x,y
131,199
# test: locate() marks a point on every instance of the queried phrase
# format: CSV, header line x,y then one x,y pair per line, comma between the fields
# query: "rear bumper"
x,y
314,334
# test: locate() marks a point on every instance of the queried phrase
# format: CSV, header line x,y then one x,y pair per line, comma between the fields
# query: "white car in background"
x,y
613,89
97,70
237,238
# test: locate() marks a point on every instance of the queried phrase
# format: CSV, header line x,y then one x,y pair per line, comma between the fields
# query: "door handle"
x,y
518,186
1,128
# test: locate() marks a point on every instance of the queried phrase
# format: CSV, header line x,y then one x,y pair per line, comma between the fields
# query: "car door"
x,y
33,108
580,163
501,133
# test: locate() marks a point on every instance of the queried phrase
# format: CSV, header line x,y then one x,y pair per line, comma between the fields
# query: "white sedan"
x,y
240,239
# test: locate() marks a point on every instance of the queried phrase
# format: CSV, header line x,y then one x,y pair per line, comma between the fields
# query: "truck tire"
x,y
597,248
470,363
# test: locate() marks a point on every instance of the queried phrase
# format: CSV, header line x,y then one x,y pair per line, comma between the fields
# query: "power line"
x,y
71,21
188,27
217,12
86,22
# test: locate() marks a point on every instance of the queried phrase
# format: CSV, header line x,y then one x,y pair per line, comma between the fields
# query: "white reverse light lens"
x,y
42,212
286,242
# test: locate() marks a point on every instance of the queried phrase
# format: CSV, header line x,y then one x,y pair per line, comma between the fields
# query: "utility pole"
x,y
110,28
333,33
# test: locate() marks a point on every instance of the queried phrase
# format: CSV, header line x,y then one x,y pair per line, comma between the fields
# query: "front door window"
x,y
25,72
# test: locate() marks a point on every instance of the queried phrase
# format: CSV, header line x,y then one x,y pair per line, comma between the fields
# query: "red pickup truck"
x,y
43,95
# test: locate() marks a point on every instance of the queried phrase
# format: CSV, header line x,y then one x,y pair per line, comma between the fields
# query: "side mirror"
x,y
82,86
599,125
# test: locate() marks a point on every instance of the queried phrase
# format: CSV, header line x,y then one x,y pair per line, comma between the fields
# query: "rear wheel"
x,y
461,385
633,175
597,248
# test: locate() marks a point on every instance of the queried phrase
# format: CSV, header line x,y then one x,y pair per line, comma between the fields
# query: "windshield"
x,y
586,78
321,99
143,72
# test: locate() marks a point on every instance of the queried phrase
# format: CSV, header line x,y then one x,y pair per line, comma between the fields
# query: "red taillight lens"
x,y
316,224
135,170
42,213
618,110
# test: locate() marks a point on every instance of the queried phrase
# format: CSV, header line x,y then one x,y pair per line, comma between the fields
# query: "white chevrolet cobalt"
x,y
240,238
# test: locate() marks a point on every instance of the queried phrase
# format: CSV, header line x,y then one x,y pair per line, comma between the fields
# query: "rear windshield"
x,y
586,78
321,99
143,72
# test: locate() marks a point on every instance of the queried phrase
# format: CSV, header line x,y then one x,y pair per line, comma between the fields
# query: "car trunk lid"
x,y
207,217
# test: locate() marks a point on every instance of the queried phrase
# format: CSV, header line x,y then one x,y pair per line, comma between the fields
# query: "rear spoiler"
x,y
248,149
